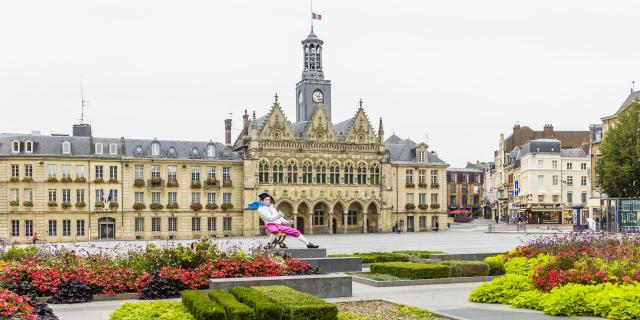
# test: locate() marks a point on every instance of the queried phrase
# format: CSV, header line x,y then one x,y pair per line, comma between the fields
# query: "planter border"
x,y
420,282
106,297
333,285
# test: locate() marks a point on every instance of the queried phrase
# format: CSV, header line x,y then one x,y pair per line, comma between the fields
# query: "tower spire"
x,y
83,102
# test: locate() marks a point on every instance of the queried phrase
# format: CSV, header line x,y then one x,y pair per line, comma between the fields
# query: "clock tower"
x,y
313,89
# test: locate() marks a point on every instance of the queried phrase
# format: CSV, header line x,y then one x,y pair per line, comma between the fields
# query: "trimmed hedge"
x,y
467,268
373,257
201,307
263,307
234,309
496,264
422,254
501,290
298,305
409,270
158,310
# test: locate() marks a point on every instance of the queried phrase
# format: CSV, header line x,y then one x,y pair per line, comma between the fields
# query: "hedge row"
x,y
201,307
467,268
234,309
263,307
298,305
422,254
412,270
373,257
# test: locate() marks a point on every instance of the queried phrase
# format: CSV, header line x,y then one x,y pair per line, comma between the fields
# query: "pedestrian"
x,y
34,239
437,226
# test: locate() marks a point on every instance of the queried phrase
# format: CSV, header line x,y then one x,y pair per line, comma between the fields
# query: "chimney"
x,y
586,147
547,132
227,132
245,124
516,136
82,130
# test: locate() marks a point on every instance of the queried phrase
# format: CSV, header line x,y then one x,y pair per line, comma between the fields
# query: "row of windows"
x,y
466,178
464,188
173,197
172,224
172,170
555,180
556,197
464,202
27,230
276,171
17,147
422,198
422,176
555,164
112,196
172,152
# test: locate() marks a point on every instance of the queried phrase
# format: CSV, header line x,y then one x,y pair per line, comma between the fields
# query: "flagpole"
x,y
311,15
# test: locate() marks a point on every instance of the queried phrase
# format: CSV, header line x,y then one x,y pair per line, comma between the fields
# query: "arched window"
x,y
292,172
334,173
375,174
362,173
263,172
321,173
348,174
15,146
278,172
28,146
307,170
155,149
352,217
66,147
318,215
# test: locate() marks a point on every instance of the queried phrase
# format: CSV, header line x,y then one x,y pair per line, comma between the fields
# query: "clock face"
x,y
317,96
300,98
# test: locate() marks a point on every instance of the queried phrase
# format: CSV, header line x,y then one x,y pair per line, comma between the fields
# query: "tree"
x,y
618,169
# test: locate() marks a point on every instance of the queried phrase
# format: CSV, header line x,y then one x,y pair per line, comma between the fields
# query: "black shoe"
x,y
313,246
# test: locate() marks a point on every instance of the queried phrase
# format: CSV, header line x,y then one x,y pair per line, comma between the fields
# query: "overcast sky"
x,y
461,72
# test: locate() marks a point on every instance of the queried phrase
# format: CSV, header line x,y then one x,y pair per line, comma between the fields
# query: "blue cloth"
x,y
255,205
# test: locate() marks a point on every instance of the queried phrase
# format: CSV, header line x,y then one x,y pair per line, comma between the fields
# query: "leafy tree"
x,y
619,167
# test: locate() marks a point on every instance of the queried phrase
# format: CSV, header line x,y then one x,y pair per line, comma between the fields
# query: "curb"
x,y
448,316
420,282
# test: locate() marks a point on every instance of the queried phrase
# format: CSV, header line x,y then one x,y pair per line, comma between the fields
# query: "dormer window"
x,y
422,156
66,147
172,152
113,148
155,149
211,151
15,146
138,151
28,146
98,148
194,152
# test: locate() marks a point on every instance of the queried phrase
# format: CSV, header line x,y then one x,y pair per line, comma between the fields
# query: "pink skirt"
x,y
273,228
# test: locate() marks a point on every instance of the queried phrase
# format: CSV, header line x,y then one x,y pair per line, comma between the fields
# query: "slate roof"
x,y
404,151
45,145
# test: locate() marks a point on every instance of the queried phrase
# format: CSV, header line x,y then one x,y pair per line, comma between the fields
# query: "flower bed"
x,y
574,275
154,272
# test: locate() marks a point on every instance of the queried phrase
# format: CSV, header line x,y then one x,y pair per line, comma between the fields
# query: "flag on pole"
x,y
110,199
316,16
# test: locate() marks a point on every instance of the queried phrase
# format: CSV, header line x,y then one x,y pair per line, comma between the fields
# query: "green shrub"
x,y
263,307
568,300
410,270
467,268
413,312
496,264
528,300
615,302
352,316
298,305
418,253
158,310
201,307
18,253
373,257
234,309
524,266
501,290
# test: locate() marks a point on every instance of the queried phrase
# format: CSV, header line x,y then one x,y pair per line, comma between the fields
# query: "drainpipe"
x,y
88,195
397,200
121,196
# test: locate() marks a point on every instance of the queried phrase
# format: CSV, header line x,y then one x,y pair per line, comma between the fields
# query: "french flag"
x,y
316,16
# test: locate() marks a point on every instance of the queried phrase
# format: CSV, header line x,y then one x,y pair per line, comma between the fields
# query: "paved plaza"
x,y
460,239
